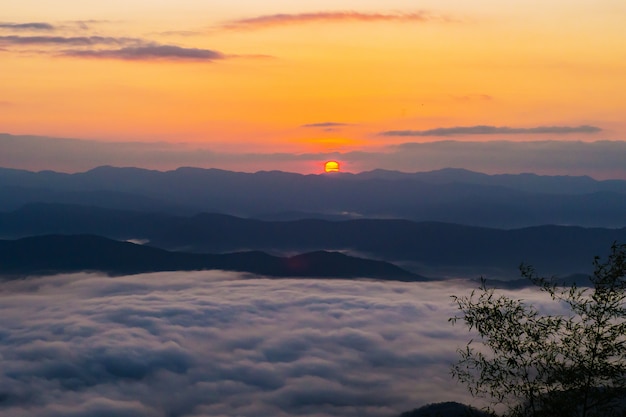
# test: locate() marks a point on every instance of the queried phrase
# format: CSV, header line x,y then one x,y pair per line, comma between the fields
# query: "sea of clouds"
x,y
222,344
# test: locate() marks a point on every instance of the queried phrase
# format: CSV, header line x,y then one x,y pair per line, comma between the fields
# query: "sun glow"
x,y
331,166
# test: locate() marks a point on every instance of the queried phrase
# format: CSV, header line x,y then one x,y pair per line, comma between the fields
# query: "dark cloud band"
x,y
27,26
601,159
325,124
131,48
494,130
150,52
65,40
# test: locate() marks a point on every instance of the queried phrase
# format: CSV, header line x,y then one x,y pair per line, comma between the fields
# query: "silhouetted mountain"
x,y
73,253
551,249
557,184
456,196
14,197
446,409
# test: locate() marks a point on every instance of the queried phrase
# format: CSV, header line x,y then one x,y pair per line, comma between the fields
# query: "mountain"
x,y
427,247
455,196
558,184
43,255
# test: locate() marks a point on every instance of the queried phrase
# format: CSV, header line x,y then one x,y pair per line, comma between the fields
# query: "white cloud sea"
x,y
219,344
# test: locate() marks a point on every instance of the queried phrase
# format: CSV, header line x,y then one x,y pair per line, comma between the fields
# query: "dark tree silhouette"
x,y
538,365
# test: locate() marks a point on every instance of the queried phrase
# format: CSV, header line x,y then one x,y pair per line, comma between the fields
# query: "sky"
x,y
311,80
221,344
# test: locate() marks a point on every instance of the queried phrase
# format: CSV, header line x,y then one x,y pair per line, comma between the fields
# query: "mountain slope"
x,y
551,249
51,254
456,196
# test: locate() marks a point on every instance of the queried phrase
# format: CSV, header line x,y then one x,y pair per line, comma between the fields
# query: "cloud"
x,y
65,40
86,24
129,48
600,159
494,130
274,20
220,344
149,52
27,26
325,124
133,48
473,97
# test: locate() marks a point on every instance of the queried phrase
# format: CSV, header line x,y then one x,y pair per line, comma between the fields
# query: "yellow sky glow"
x,y
368,70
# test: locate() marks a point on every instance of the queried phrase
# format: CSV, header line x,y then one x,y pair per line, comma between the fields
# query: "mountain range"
x,y
449,195
53,254
424,247
446,223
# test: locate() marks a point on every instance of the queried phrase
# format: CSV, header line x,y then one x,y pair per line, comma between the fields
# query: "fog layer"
x,y
218,344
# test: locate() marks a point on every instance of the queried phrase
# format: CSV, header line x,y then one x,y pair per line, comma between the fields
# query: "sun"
x,y
331,166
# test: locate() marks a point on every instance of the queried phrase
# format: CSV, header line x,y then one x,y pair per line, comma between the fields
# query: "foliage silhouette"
x,y
536,365
445,409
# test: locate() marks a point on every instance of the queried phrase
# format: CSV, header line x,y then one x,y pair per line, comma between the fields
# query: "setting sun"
x,y
331,166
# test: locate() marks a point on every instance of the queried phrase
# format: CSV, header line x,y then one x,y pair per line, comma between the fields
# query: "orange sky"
x,y
311,76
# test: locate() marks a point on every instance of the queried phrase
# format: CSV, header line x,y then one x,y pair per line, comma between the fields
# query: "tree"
x,y
533,364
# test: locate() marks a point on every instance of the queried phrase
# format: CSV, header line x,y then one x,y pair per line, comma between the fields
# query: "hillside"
x,y
475,250
44,255
456,196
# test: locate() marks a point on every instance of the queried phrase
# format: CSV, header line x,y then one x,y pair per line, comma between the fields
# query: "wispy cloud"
x,y
86,24
65,40
325,124
27,26
184,33
473,97
65,26
150,52
265,21
129,48
494,130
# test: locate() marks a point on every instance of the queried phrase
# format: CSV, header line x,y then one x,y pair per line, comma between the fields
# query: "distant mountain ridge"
x,y
51,254
551,249
103,175
449,195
